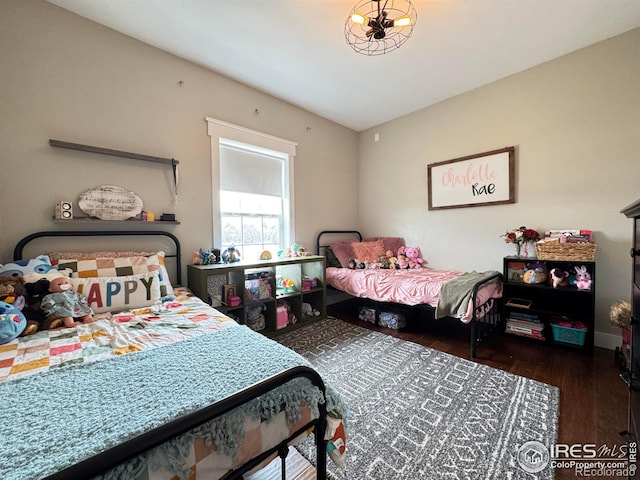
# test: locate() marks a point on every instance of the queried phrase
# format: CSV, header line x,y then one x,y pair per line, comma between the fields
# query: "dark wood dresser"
x,y
633,377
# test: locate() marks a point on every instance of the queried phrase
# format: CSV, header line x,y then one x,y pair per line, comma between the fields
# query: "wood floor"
x,y
593,397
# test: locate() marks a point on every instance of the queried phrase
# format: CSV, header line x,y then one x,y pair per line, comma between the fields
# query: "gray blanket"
x,y
456,293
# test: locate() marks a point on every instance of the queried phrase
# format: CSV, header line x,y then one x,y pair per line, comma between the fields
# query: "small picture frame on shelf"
x,y
519,303
227,291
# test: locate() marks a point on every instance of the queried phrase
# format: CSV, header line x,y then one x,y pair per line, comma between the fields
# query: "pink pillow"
x,y
343,252
369,252
388,243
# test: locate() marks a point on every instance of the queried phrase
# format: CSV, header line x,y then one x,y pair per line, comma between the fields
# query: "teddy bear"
x,y
63,307
392,260
402,258
10,288
413,257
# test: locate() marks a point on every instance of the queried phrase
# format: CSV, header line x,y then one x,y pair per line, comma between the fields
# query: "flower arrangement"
x,y
521,236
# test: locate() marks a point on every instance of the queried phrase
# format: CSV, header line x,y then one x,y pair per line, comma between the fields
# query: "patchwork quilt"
x,y
182,317
173,326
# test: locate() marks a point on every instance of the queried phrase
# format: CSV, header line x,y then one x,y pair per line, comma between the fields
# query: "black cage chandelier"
x,y
376,27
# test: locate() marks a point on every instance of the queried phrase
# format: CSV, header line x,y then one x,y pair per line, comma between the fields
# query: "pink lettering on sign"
x,y
473,174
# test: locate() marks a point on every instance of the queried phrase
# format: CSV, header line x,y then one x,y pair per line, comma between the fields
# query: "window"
x,y
252,189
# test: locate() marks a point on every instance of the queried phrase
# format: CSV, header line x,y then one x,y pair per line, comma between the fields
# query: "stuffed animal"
x,y
413,257
19,268
232,255
583,278
536,273
11,288
390,260
34,292
402,258
9,285
62,306
559,277
12,322
204,257
13,291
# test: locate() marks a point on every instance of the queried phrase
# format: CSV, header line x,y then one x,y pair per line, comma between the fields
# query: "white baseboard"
x,y
610,341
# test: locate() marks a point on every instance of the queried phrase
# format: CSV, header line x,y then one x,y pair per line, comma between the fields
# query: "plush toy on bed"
x,y
64,307
10,288
402,262
20,268
413,257
12,322
392,260
13,290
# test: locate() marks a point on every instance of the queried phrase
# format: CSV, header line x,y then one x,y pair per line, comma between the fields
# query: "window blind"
x,y
246,171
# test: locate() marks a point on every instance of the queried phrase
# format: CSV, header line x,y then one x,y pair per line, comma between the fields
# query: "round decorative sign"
x,y
110,202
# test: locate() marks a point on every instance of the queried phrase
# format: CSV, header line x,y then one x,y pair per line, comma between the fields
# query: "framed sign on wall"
x,y
481,179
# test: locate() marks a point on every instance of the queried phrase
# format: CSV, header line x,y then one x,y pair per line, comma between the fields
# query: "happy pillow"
x,y
89,267
114,294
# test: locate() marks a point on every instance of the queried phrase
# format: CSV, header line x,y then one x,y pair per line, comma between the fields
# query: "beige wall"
x,y
575,123
67,78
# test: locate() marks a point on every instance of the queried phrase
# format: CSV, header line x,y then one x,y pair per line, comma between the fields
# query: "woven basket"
x,y
579,252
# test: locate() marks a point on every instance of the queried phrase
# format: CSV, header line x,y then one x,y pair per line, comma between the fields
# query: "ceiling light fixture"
x,y
376,27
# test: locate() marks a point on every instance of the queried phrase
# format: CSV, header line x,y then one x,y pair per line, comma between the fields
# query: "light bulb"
x,y
403,21
359,18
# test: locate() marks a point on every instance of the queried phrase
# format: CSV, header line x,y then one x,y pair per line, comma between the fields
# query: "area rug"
x,y
416,413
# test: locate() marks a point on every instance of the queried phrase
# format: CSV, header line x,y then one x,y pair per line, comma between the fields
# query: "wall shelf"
x,y
111,222
109,151
120,153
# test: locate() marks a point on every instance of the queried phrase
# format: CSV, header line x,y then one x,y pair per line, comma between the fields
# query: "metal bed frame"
x,y
480,326
112,457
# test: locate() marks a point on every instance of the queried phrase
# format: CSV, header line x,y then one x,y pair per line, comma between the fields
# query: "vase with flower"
x,y
522,237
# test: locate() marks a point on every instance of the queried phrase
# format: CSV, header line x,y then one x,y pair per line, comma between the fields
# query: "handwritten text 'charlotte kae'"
x,y
480,177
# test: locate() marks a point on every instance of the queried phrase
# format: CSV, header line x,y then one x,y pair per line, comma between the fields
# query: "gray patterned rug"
x,y
417,413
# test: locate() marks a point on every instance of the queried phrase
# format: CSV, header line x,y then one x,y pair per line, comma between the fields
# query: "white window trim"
x,y
217,129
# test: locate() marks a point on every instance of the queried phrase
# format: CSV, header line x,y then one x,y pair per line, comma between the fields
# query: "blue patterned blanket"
x,y
65,415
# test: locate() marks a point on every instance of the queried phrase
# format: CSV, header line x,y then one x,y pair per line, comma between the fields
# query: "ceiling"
x,y
295,50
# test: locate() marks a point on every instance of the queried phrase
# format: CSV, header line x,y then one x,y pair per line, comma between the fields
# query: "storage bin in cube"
x,y
281,316
308,283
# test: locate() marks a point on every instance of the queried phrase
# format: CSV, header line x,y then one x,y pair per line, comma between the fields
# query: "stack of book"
x,y
569,235
525,325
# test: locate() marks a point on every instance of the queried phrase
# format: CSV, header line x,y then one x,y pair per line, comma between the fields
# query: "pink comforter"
x,y
406,287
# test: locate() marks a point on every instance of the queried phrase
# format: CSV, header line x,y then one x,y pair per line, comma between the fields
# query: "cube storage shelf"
x,y
534,311
281,289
